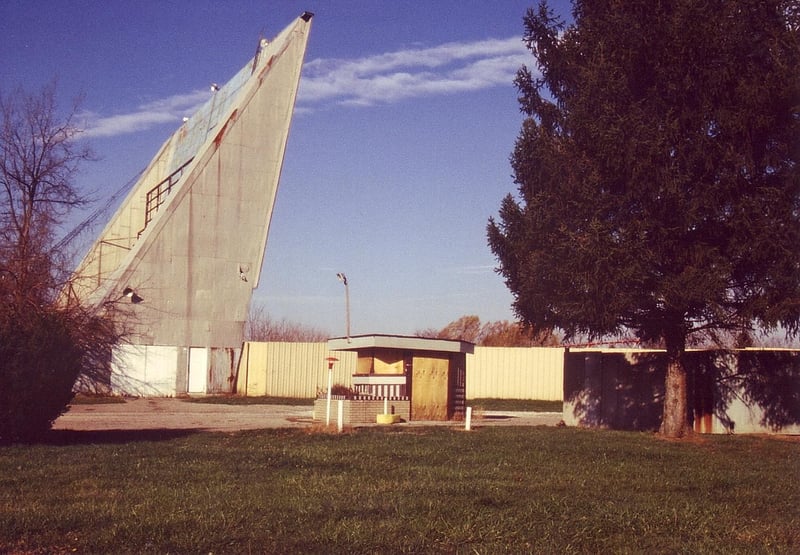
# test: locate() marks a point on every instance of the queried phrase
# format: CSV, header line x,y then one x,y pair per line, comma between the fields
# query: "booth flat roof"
x,y
358,342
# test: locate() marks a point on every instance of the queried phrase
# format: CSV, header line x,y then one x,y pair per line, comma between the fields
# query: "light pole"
x,y
343,279
330,361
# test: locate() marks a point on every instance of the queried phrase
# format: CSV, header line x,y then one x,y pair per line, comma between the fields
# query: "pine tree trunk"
x,y
675,421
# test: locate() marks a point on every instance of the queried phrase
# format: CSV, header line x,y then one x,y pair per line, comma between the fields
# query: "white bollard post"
x,y
340,415
330,385
331,361
468,421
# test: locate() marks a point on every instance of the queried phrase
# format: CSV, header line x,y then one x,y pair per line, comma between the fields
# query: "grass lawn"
x,y
88,399
399,489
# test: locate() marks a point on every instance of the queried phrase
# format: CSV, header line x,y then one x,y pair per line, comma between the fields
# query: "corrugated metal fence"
x,y
516,373
290,369
299,370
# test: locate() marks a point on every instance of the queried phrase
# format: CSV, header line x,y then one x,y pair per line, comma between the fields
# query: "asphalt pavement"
x,y
182,414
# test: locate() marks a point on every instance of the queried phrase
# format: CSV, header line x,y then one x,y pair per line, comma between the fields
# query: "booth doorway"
x,y
429,388
198,370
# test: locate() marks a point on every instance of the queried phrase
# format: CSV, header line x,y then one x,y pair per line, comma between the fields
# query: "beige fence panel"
x,y
299,370
291,369
516,373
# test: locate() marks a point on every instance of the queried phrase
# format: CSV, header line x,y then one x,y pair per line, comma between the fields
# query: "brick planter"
x,y
360,411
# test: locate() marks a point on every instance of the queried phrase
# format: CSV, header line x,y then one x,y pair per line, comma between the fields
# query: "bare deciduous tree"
x,y
46,340
261,327
39,159
492,334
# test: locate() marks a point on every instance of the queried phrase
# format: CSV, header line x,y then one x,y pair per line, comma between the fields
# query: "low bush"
x,y
40,360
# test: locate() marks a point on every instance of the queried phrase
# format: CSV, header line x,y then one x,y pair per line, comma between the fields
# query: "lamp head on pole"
x,y
131,294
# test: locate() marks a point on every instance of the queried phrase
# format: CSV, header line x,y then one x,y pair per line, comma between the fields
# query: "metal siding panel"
x,y
256,370
241,371
516,373
281,369
223,364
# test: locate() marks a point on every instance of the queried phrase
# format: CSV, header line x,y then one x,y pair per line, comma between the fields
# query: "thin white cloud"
x,y
164,110
412,73
380,79
124,123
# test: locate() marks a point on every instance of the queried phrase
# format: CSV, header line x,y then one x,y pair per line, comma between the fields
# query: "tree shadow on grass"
x,y
88,437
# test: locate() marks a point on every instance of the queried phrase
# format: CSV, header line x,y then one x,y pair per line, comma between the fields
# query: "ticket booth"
x,y
431,373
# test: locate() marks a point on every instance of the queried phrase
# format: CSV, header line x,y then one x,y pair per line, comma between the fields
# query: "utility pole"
x,y
343,279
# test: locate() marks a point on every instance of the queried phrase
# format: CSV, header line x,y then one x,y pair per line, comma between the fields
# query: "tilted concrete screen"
x,y
189,239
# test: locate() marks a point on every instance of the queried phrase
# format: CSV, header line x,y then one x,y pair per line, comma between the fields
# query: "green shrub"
x,y
337,389
40,358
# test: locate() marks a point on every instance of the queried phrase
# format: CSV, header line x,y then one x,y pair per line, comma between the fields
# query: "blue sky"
x,y
398,153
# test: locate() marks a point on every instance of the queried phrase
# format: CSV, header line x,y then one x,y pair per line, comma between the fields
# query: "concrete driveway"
x,y
178,414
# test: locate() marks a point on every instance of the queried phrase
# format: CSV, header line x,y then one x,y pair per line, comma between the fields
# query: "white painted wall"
x,y
198,370
144,370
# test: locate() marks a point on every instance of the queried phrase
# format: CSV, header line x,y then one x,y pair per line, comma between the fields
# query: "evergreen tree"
x,y
657,170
